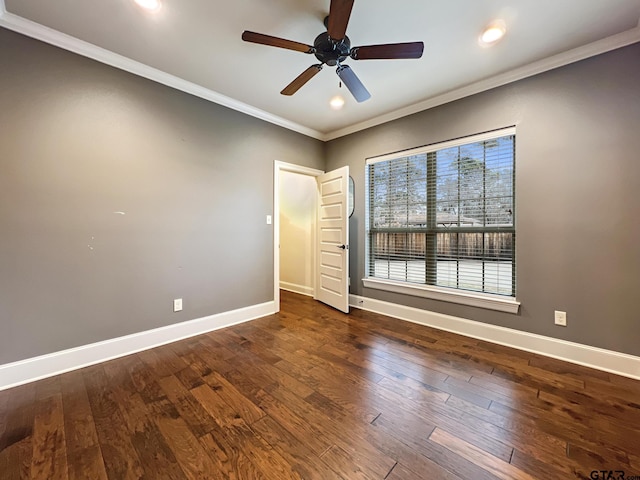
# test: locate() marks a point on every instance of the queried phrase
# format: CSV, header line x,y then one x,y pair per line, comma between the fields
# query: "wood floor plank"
x,y
511,393
630,384
49,458
400,472
496,466
187,406
624,392
565,428
420,435
351,436
16,448
120,458
4,412
595,459
540,469
163,361
303,461
266,458
232,462
144,380
443,457
244,407
312,435
345,397
312,393
520,432
189,453
402,374
237,431
351,468
618,412
270,374
83,447
565,368
157,458
538,377
229,458
15,460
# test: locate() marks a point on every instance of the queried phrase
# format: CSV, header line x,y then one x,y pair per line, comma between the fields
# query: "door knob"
x,y
343,247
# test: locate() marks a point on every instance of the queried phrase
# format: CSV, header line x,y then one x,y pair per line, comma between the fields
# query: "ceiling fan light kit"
x,y
333,47
151,5
337,102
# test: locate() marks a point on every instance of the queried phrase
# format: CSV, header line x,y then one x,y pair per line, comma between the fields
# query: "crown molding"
x,y
613,42
67,42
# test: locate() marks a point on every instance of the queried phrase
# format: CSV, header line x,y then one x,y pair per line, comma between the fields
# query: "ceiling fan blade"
x,y
353,83
301,79
262,39
388,51
339,13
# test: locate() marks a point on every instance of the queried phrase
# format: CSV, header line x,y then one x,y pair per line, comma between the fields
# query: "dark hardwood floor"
x,y
311,393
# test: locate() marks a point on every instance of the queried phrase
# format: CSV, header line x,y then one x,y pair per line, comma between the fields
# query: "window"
x,y
443,215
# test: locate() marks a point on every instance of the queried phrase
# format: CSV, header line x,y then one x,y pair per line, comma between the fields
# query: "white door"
x,y
333,239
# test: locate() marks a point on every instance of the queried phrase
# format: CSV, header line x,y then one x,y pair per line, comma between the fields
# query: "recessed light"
x,y
493,33
149,4
337,102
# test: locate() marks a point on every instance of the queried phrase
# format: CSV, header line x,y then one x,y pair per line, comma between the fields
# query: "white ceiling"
x,y
197,42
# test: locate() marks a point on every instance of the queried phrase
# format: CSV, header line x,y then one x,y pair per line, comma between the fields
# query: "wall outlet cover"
x,y
177,305
560,318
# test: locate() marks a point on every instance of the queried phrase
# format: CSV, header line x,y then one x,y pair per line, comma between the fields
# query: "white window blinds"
x,y
444,215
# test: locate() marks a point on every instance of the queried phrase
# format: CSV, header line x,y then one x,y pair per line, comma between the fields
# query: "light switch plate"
x,y
268,219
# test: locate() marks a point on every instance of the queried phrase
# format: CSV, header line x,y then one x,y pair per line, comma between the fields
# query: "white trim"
x,y
291,167
72,44
481,300
278,167
480,137
599,47
301,289
592,357
53,37
37,368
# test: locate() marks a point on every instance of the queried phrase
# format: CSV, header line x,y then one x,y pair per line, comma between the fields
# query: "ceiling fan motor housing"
x,y
330,52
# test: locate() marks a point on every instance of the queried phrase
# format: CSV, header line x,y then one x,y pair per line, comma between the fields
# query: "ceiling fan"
x,y
333,47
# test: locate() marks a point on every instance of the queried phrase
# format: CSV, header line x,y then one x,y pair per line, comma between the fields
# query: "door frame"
x,y
278,167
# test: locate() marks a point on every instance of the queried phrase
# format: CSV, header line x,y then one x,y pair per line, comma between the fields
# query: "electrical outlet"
x,y
177,305
561,318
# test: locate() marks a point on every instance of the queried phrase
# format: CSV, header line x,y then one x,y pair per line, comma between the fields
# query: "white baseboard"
x,y
37,368
292,287
593,357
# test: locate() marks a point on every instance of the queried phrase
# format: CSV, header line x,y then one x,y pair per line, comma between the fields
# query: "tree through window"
x,y
443,215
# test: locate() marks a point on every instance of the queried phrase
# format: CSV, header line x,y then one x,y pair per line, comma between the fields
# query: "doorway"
x,y
295,218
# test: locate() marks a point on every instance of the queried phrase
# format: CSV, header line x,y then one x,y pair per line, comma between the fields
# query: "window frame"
x,y
500,302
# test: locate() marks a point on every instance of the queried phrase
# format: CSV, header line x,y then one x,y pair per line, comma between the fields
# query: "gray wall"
x,y
577,195
79,141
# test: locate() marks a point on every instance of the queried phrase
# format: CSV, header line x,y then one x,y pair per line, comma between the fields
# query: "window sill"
x,y
481,300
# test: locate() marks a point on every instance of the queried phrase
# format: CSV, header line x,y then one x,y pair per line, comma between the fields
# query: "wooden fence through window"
x,y
496,246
